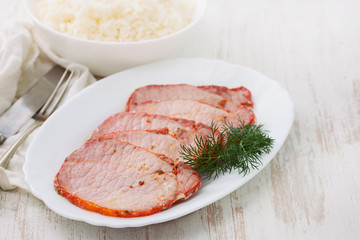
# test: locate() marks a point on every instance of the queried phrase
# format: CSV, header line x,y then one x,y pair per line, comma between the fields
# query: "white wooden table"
x,y
311,189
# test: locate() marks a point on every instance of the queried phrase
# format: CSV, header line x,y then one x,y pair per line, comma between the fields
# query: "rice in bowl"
x,y
116,20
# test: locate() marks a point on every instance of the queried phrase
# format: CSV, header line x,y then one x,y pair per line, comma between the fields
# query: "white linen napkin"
x,y
23,59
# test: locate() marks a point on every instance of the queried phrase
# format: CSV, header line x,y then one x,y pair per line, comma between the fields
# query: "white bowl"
x,y
105,58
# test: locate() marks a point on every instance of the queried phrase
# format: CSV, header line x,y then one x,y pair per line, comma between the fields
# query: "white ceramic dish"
x,y
70,126
105,58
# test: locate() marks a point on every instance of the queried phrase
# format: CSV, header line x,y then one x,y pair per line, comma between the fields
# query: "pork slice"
x,y
196,111
236,97
123,121
157,141
119,179
177,91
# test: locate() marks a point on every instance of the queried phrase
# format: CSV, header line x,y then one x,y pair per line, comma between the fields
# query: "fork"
x,y
39,118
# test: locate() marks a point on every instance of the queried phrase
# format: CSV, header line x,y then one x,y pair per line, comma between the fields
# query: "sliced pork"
x,y
177,91
131,165
217,96
236,96
154,140
119,179
142,121
196,111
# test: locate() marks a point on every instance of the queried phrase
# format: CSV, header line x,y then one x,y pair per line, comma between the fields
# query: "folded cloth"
x,y
23,59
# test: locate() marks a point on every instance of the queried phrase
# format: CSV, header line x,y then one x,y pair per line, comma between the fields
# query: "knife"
x,y
25,107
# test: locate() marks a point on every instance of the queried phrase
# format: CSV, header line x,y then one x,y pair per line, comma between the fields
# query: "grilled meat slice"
x,y
119,179
196,111
216,96
235,97
176,91
157,141
135,121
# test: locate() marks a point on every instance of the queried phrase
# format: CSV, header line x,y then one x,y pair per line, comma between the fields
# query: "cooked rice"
x,y
116,20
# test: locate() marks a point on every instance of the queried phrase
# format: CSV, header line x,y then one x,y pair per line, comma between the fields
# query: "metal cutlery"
x,y
25,107
47,109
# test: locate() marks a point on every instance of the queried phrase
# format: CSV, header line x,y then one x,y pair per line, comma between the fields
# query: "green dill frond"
x,y
227,148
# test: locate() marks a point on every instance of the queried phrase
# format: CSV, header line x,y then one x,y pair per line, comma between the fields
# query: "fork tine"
x,y
53,94
61,93
51,104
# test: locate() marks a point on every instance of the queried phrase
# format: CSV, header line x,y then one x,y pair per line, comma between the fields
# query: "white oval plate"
x,y
70,126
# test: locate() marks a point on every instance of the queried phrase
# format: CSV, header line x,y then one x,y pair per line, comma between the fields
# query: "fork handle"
x,y
5,159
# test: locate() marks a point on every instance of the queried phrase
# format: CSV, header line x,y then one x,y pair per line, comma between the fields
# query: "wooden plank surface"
x,y
311,189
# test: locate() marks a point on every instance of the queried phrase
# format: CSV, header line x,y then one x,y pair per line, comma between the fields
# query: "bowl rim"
x,y
172,35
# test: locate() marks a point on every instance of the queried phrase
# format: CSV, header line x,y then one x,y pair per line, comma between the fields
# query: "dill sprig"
x,y
227,148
